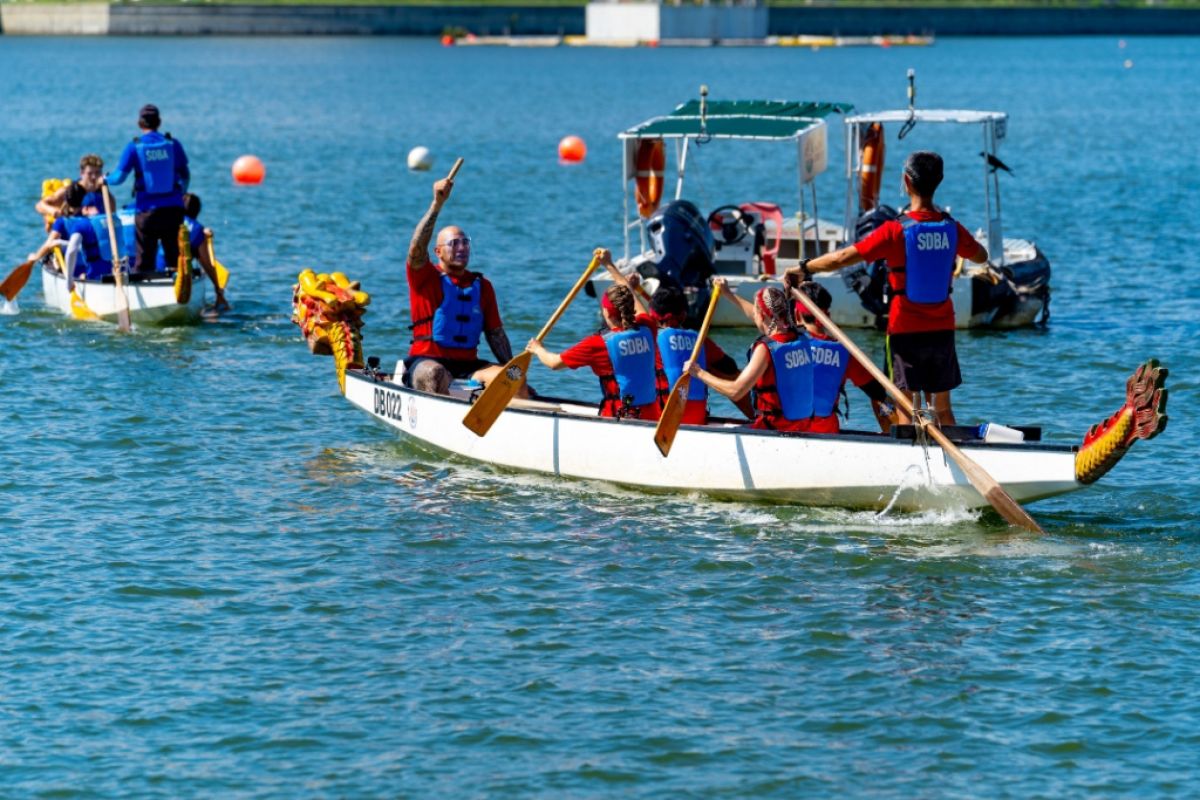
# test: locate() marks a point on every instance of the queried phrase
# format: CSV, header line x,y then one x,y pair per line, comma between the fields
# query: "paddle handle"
x,y
454,170
118,278
984,483
707,323
893,391
587,273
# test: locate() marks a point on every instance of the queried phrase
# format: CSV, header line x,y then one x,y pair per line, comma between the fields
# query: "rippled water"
x,y
219,579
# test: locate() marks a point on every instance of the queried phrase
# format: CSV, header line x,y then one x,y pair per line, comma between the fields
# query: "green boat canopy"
x,y
738,119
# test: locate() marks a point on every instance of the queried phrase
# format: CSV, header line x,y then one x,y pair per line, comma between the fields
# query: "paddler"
x,y
622,355
80,198
833,366
161,176
451,308
920,250
198,236
86,242
668,309
779,366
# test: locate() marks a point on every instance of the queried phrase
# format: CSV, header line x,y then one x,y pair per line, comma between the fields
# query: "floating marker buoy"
x,y
447,40
420,159
1121,44
571,150
1129,63
248,169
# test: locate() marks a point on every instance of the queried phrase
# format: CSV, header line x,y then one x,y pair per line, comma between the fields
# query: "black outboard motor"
x,y
869,281
683,244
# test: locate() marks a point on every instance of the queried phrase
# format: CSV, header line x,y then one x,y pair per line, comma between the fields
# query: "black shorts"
x,y
459,369
923,362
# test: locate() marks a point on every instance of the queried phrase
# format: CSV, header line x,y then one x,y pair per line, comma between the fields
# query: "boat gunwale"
x,y
730,428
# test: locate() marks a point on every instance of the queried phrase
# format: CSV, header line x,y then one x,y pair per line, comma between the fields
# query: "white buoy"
x,y
420,159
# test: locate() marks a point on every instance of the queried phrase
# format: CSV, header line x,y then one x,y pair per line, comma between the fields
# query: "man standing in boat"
x,y
920,250
451,307
161,176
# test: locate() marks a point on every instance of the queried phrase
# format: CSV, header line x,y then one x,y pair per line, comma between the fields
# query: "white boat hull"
x,y
151,302
728,460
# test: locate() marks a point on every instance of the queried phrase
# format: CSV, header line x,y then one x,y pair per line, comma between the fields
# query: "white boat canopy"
x,y
703,120
930,115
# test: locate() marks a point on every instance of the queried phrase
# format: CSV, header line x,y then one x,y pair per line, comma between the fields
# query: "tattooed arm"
x,y
497,339
418,250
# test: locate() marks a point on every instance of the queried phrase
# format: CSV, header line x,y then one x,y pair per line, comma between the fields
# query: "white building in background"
x,y
653,21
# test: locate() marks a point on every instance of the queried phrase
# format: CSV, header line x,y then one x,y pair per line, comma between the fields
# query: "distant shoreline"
x,y
487,19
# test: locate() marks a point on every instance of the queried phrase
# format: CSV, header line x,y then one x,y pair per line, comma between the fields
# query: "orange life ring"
x,y
871,170
649,163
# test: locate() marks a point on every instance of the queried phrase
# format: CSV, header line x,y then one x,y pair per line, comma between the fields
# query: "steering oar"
x,y
984,483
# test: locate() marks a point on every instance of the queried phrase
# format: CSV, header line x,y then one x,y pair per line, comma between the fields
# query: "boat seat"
x,y
770,212
964,433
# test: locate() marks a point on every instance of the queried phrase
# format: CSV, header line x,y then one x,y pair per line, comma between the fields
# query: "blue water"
x,y
219,579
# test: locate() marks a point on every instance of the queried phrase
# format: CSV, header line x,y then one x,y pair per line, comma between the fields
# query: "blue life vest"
x,y
89,262
458,321
195,240
95,199
99,225
929,249
793,376
830,362
156,158
676,345
632,356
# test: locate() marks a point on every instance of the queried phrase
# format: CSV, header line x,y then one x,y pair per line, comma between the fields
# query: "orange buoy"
x,y
649,163
249,169
870,172
571,150
447,40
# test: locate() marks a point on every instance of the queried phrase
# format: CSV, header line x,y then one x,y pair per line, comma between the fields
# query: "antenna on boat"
x,y
703,137
911,122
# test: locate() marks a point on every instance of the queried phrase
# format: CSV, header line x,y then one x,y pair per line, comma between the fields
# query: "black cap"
x,y
148,116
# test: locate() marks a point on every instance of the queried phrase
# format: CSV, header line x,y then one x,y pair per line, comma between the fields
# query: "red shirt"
x,y
593,352
887,242
424,297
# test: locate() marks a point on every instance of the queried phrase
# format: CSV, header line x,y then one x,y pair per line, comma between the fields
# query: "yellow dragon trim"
x,y
328,310
1142,417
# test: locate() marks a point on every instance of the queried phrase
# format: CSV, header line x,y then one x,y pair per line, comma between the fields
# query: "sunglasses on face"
x,y
454,244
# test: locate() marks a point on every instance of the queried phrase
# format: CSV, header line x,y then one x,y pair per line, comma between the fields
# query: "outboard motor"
x,y
683,244
869,281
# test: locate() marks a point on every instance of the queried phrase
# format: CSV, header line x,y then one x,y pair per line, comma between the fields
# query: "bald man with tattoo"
x,y
451,308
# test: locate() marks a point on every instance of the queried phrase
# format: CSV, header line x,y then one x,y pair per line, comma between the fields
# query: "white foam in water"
x,y
8,308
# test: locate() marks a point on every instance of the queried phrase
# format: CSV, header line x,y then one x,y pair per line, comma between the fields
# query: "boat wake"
x,y
9,308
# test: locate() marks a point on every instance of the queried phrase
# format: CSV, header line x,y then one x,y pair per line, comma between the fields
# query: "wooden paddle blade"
x,y
672,415
1012,512
496,396
985,484
16,281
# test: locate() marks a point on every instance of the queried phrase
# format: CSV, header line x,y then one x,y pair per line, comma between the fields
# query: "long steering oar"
x,y
984,483
672,414
504,387
118,278
16,280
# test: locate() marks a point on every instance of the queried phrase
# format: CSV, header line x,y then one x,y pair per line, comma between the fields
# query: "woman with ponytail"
x,y
779,365
622,355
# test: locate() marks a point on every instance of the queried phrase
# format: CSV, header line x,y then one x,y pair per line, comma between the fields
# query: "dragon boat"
x,y
158,298
723,459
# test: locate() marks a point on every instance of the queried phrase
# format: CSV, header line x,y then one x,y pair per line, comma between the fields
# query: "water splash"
x,y
9,308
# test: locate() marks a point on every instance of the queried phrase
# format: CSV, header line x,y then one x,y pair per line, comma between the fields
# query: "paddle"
x,y
496,396
118,278
672,413
16,280
984,483
183,269
219,269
